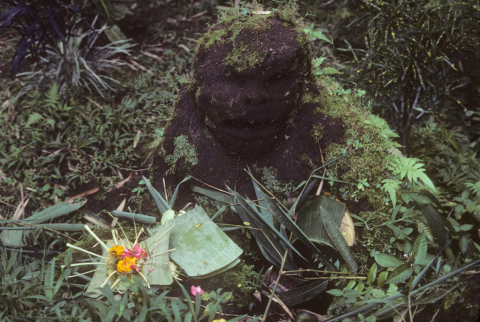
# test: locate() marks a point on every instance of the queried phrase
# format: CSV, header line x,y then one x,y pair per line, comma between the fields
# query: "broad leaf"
x,y
310,222
435,222
419,249
372,274
339,241
400,274
302,293
386,260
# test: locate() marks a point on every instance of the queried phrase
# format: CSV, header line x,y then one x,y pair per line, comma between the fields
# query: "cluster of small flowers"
x,y
127,259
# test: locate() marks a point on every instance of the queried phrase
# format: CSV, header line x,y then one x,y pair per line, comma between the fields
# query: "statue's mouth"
x,y
248,130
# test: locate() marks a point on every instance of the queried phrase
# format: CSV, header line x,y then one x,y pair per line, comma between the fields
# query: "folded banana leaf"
x,y
201,248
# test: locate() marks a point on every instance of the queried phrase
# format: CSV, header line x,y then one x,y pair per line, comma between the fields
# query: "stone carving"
x,y
246,106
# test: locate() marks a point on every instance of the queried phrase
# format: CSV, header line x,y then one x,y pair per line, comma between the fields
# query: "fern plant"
x,y
317,62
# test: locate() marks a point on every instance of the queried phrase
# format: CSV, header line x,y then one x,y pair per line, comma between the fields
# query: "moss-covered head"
x,y
249,73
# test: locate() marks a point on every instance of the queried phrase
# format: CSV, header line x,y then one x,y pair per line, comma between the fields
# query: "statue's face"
x,y
247,110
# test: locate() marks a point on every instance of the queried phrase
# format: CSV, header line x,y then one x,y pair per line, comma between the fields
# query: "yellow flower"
x,y
125,265
221,320
117,251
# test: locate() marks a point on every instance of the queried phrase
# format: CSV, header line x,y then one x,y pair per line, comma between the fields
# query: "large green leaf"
x,y
386,260
201,248
419,248
436,224
339,241
287,221
310,222
302,293
400,274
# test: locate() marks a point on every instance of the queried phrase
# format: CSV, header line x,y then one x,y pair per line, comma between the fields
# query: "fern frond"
x,y
328,71
391,186
412,169
33,118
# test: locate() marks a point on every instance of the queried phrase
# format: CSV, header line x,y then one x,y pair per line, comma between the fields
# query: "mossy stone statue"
x,y
245,106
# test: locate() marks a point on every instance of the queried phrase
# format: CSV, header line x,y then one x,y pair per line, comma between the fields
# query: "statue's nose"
x,y
255,97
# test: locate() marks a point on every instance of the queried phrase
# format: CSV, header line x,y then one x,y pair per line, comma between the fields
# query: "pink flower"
x,y
151,270
134,268
196,289
137,252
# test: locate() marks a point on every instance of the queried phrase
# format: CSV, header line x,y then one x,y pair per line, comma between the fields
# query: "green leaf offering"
x,y
201,248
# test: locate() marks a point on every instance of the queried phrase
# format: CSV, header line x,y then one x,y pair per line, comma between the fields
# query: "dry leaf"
x,y
347,228
83,194
120,184
96,221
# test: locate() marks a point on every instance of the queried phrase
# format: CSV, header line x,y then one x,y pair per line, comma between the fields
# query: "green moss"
x,y
242,58
183,149
364,136
317,132
276,187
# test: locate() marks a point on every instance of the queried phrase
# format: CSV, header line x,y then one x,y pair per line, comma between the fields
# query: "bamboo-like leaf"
x,y
142,219
339,241
54,212
303,196
400,274
302,293
174,196
217,195
162,205
49,275
419,277
434,297
266,236
386,260
287,221
262,203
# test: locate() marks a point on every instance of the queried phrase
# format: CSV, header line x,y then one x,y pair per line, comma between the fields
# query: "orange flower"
x,y
127,264
117,251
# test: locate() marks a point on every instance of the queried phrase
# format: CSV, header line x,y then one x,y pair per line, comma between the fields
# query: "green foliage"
x,y
78,63
454,166
408,64
183,149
